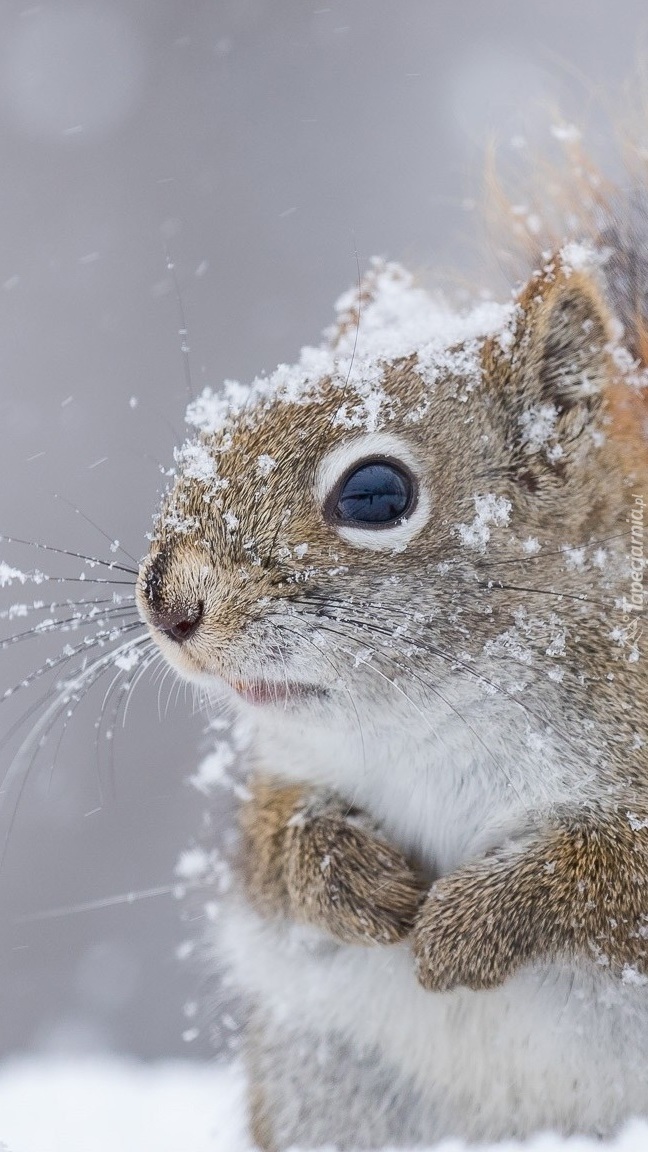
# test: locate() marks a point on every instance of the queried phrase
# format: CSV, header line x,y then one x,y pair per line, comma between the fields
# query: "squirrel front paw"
x,y
462,937
307,856
343,877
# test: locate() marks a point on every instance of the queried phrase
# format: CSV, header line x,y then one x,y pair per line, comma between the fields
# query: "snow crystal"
x,y
192,864
535,741
489,509
174,522
508,644
208,411
127,660
214,769
574,559
196,462
367,417
265,465
558,644
16,610
630,975
185,949
8,575
531,546
628,366
532,221
577,257
635,822
538,426
565,133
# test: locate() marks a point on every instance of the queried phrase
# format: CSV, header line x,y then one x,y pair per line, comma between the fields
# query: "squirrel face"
x,y
351,521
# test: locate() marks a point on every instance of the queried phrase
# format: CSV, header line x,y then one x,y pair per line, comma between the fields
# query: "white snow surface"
x,y
108,1104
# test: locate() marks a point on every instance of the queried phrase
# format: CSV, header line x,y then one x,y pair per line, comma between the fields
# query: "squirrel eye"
x,y
377,493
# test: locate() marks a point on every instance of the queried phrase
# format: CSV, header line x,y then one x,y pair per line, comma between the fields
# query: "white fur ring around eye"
x,y
370,491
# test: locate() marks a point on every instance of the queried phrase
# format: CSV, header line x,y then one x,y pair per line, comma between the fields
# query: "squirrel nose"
x,y
178,621
178,624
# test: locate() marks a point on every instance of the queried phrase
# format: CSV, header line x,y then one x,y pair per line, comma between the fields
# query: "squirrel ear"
x,y
558,372
570,336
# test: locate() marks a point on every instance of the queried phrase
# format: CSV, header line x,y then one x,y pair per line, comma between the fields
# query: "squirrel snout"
x,y
178,624
179,620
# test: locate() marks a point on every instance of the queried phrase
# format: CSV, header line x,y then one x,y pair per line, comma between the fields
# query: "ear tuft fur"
x,y
573,334
557,380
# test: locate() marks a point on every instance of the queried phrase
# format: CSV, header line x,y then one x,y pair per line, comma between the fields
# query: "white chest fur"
x,y
445,795
554,1046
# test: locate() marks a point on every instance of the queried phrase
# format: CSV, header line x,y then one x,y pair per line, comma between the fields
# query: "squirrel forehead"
x,y
274,449
394,353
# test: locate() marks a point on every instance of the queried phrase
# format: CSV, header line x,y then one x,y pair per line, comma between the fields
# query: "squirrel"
x,y
413,564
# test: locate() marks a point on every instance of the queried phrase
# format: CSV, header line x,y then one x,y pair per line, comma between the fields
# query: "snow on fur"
x,y
398,319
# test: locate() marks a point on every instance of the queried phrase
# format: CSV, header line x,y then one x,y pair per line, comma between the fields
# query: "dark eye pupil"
x,y
377,493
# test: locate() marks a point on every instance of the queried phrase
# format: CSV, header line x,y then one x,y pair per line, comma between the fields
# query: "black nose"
x,y
178,620
178,624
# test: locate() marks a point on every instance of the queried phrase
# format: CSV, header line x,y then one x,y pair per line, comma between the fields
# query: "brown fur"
x,y
314,859
580,886
572,885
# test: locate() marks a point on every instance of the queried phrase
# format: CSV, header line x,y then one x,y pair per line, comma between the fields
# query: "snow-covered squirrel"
x,y
414,561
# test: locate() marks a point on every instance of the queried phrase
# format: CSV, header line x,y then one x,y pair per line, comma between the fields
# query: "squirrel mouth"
x,y
279,693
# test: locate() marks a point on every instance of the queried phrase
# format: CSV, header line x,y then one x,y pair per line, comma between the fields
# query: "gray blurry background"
x,y
264,143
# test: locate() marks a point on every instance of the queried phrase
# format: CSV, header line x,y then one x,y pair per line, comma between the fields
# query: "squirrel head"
x,y
374,506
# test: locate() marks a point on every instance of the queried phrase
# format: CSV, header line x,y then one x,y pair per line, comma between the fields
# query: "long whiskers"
x,y
115,546
37,577
500,586
120,687
91,560
368,627
544,553
301,636
135,897
19,611
60,698
452,660
69,624
98,639
427,684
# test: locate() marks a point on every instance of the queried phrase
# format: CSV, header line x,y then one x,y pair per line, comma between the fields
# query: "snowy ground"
x,y
110,1105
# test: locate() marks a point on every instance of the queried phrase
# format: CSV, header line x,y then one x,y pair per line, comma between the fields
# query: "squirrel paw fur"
x,y
311,857
459,938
